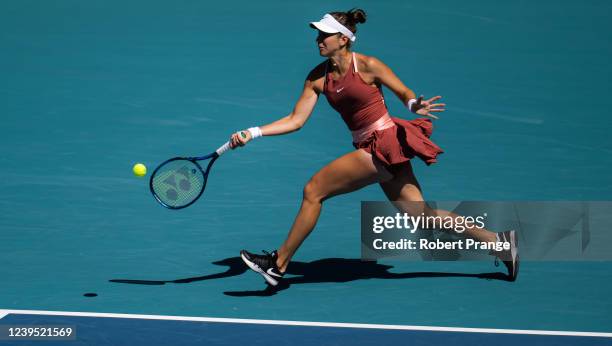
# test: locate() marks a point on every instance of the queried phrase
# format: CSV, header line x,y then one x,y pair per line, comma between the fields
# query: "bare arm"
x,y
297,118
290,123
385,76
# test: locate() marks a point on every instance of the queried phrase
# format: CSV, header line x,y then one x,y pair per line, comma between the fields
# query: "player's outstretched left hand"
x,y
427,107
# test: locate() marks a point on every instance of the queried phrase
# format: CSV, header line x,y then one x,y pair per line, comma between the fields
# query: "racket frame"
x,y
213,156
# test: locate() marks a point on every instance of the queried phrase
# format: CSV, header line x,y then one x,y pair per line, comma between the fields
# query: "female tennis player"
x,y
384,145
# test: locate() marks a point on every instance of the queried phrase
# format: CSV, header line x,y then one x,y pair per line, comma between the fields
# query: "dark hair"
x,y
351,18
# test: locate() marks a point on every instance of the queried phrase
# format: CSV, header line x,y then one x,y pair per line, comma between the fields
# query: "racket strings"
x,y
178,183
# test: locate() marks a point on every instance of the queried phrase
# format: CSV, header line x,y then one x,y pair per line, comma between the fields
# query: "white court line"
x,y
307,324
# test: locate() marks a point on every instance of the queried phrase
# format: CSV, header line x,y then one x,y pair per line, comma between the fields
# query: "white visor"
x,y
330,25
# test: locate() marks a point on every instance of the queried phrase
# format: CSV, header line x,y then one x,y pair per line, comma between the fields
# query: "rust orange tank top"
x,y
359,103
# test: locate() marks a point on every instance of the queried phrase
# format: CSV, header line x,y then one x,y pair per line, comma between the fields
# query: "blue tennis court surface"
x,y
109,329
89,88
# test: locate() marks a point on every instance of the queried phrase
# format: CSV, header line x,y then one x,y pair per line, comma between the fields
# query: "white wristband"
x,y
255,132
410,104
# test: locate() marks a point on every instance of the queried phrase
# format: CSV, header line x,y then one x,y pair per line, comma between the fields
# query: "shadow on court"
x,y
323,270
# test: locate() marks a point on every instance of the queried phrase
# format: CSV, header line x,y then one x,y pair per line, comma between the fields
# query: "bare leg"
x,y
404,187
347,173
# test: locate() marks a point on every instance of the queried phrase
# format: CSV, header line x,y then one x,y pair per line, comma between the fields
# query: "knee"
x,y
312,191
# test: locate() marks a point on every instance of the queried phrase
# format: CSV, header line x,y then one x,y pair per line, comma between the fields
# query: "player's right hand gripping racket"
x,y
178,182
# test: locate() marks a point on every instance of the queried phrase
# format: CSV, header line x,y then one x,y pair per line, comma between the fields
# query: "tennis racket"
x,y
178,182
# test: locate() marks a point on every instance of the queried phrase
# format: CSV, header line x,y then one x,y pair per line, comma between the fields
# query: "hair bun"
x,y
358,15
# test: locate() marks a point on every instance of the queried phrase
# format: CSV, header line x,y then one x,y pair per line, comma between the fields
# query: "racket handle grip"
x,y
225,147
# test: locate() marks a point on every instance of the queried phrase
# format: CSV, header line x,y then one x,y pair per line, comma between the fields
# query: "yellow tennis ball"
x,y
140,170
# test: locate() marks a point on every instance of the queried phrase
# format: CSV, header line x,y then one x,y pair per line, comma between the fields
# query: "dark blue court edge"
x,y
122,331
